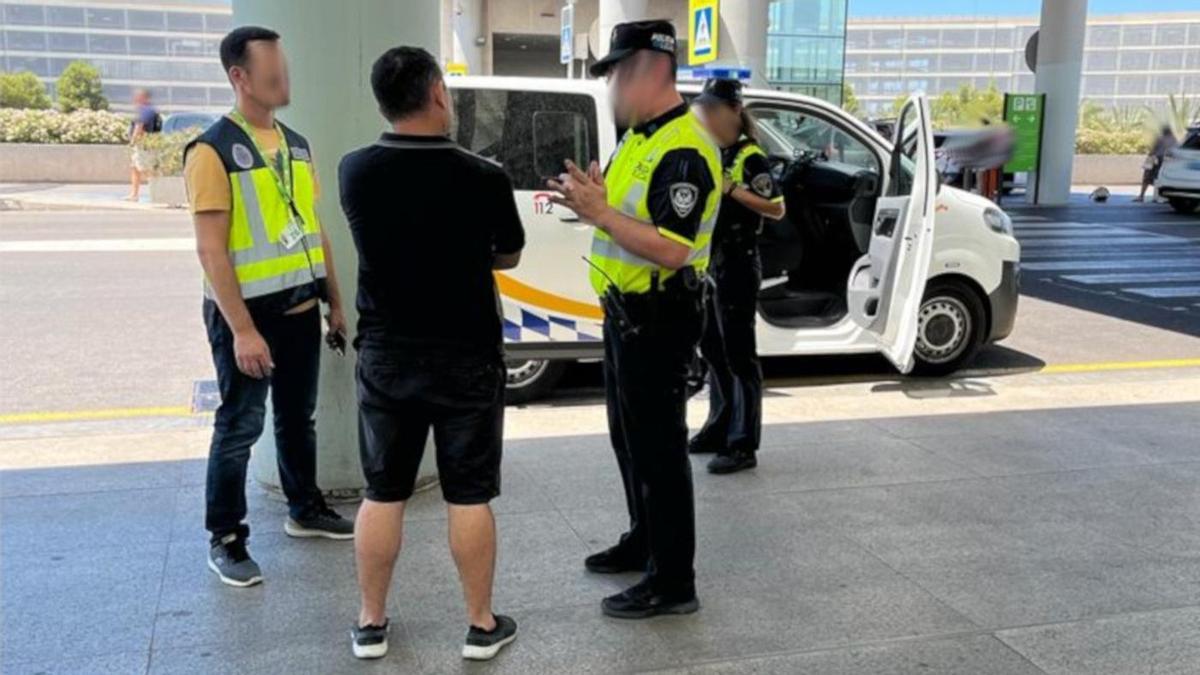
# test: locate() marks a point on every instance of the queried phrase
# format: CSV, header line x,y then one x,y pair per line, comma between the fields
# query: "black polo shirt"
x,y
428,218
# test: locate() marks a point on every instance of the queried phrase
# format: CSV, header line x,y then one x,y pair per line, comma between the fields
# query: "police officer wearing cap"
x,y
653,210
734,423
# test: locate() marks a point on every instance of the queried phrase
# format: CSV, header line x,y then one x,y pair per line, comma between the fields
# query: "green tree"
x,y
849,101
79,88
23,90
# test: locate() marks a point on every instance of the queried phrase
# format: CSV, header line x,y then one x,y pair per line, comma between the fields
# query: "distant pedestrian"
x,y
1163,144
267,265
146,120
429,339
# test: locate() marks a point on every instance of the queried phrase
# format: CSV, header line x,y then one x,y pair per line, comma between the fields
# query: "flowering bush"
x,y
166,151
51,126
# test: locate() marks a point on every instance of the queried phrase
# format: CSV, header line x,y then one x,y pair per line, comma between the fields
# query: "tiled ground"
x,y
1054,541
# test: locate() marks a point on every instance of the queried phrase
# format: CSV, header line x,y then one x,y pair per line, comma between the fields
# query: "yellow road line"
x,y
185,411
1120,365
89,415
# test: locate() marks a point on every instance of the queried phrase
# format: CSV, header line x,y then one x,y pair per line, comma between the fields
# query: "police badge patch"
x,y
762,184
301,154
683,198
242,156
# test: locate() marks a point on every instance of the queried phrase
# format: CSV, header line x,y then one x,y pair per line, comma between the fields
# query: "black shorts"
x,y
401,394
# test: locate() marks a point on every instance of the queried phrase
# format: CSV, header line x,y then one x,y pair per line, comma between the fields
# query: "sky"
x,y
1007,7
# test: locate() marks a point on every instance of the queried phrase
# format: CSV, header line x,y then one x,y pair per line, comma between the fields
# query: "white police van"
x,y
873,255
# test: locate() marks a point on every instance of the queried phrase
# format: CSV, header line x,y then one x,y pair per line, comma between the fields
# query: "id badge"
x,y
291,235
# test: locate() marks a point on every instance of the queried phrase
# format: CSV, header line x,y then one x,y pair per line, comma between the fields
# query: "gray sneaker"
x,y
230,561
483,645
322,522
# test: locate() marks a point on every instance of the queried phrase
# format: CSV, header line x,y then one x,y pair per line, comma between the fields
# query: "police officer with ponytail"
x,y
750,193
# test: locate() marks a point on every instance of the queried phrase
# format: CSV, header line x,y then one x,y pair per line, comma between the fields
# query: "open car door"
x,y
886,285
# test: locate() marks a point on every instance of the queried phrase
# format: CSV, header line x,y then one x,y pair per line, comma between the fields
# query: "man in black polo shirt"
x,y
430,222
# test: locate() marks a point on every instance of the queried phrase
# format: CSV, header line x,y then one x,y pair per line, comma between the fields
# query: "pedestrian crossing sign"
x,y
702,31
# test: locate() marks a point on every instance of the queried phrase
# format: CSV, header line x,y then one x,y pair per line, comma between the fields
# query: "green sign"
x,y
1023,113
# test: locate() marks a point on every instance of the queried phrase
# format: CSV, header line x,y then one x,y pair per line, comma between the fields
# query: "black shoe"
x,y
699,446
642,602
482,645
733,462
614,560
229,560
369,642
320,522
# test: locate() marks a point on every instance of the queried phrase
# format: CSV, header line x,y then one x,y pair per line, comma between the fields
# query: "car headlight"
x,y
997,220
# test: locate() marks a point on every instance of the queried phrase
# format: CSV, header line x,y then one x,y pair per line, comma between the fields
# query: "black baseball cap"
x,y
721,90
657,35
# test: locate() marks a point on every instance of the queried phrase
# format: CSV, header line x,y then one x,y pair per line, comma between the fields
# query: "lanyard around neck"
x,y
282,175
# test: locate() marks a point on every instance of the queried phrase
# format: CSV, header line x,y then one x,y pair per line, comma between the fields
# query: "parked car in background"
x,y
1179,178
183,121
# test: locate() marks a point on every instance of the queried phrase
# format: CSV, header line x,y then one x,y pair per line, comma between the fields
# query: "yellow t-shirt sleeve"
x,y
206,180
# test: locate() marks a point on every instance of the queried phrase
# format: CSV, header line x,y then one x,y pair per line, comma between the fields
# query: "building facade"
x,y
806,42
167,47
1129,61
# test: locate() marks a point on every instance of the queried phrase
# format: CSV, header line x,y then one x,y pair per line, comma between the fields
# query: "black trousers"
x,y
729,348
645,389
295,344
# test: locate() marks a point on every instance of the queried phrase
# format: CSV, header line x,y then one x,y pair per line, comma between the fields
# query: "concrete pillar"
x,y
743,38
613,12
1059,68
330,48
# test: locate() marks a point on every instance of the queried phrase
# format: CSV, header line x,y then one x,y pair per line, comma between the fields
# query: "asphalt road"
x,y
101,309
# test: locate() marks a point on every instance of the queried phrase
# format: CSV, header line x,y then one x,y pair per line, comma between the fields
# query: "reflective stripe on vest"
x,y
737,168
628,182
258,216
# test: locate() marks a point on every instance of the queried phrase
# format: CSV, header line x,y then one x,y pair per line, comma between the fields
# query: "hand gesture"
x,y
583,193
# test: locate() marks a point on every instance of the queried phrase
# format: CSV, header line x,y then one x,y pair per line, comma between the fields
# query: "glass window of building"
x,y
37,65
67,42
1194,34
1137,36
150,70
1193,59
220,96
856,63
952,62
858,39
922,38
191,22
24,15
1098,85
1169,59
117,93
887,39
99,43
1002,38
218,23
983,62
189,95
1171,35
25,40
1002,62
1131,85
1167,84
1103,36
924,63
148,45
67,17
105,18
958,38
1135,60
185,47
147,20
1100,60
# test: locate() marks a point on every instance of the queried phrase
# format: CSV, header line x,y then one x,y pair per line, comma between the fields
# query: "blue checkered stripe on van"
x,y
525,325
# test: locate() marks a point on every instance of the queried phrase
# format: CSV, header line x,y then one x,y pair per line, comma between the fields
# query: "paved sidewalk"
x,y
1058,541
73,196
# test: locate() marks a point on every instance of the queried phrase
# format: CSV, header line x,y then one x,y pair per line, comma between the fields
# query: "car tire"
x,y
1183,204
951,328
529,380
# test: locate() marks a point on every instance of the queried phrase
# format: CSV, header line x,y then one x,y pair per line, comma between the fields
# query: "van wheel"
x,y
531,379
1183,205
950,328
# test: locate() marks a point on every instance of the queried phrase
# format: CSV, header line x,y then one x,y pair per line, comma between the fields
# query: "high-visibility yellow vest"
x,y
260,213
737,167
628,183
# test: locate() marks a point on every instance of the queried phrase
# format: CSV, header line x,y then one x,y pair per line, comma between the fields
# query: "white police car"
x,y
872,257
1179,178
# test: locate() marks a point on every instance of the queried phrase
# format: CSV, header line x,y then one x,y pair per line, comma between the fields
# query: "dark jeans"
x,y
645,388
729,347
295,344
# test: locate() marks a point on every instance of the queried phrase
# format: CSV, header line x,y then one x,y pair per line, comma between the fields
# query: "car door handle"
x,y
885,222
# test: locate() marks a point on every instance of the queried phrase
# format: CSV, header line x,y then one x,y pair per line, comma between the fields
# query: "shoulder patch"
x,y
242,156
301,154
762,184
683,198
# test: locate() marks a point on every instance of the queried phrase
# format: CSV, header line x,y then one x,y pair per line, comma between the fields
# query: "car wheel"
x,y
950,328
1183,205
531,379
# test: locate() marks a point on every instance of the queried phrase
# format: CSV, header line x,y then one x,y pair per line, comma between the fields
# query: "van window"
x,y
786,131
529,133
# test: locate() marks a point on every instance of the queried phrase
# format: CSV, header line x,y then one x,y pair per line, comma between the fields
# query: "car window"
x,y
1192,140
529,133
787,131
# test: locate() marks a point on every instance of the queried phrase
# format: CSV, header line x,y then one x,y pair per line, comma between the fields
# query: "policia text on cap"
x,y
654,210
